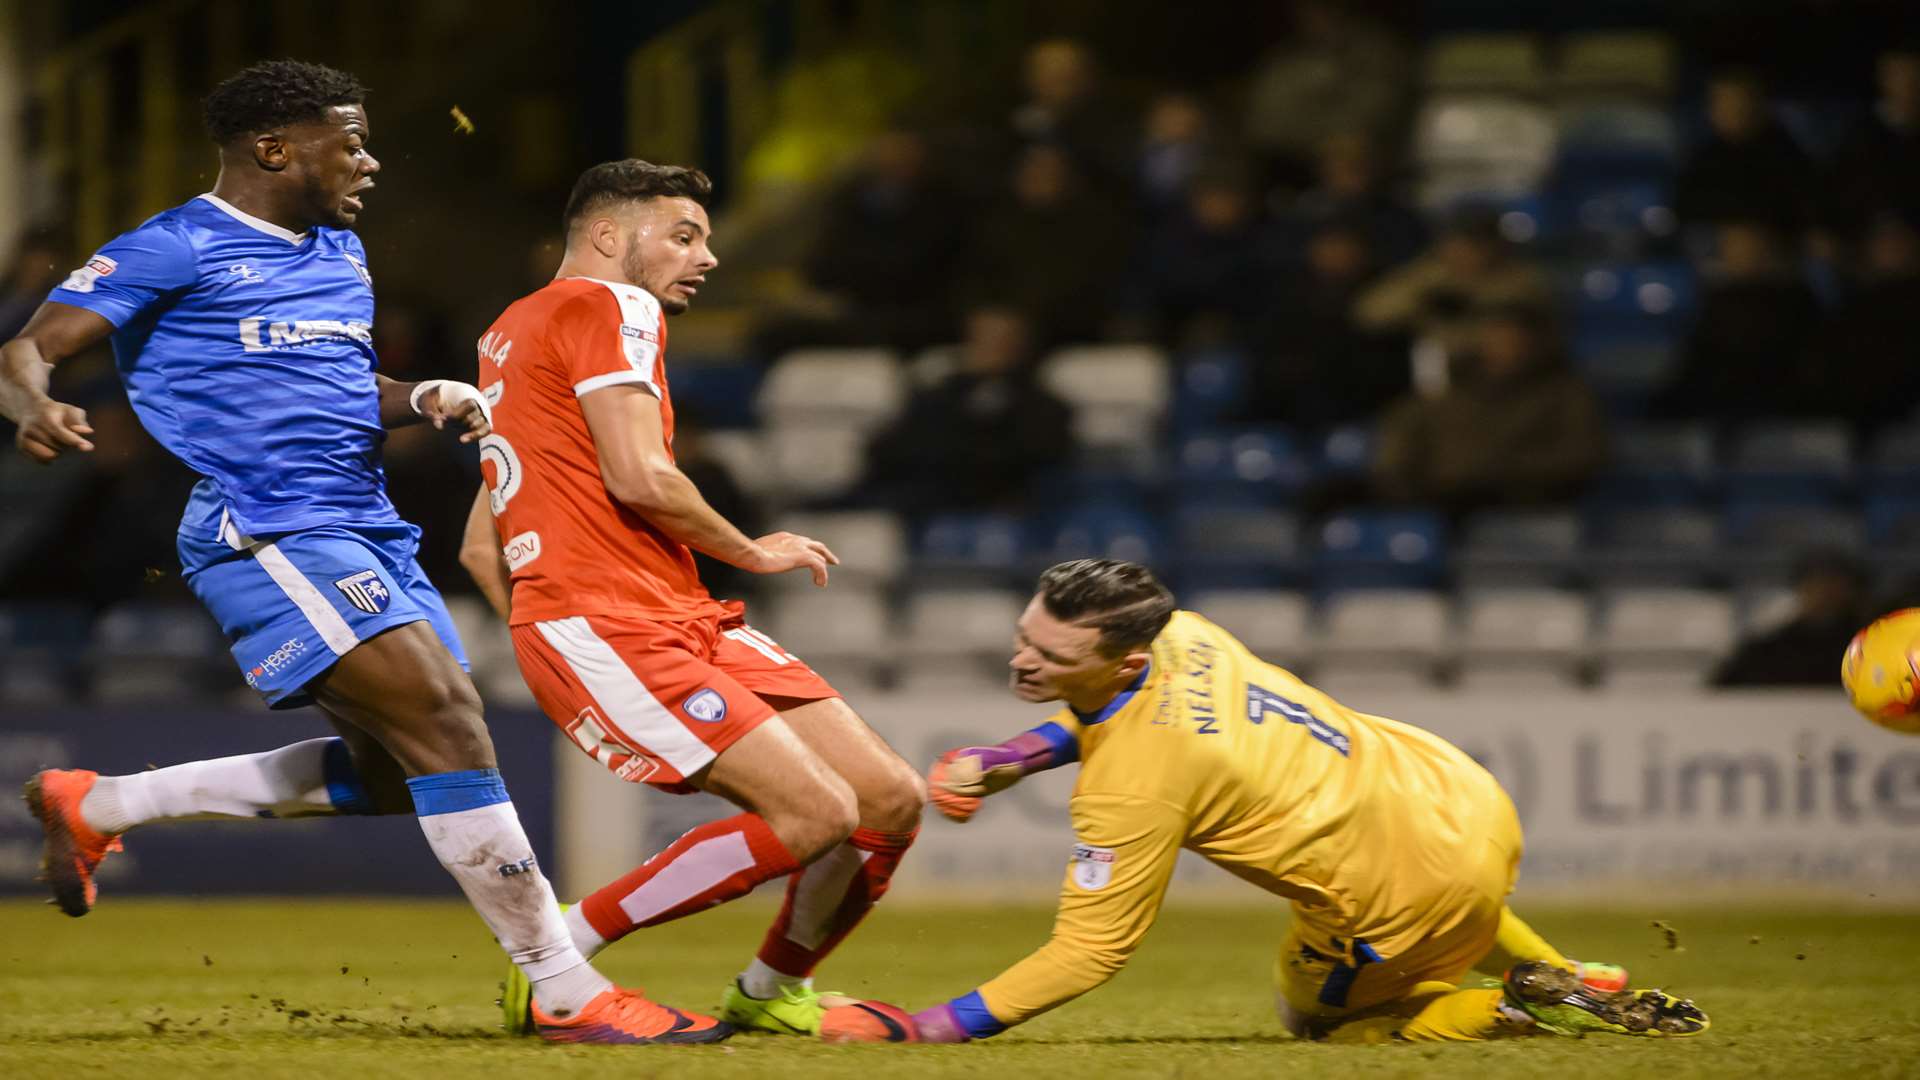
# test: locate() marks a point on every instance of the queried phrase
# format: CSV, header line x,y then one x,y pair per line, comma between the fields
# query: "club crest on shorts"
x,y
706,706
365,591
1092,867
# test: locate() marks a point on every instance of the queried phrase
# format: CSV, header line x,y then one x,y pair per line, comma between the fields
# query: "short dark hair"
x,y
275,93
1122,600
632,180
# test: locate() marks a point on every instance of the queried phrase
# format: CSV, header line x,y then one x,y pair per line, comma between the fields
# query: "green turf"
x,y
370,989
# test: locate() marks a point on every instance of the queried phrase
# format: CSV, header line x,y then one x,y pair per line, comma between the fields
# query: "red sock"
x,y
829,898
712,864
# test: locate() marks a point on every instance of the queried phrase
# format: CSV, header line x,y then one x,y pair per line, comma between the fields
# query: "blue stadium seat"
x,y
1614,216
1518,549
1616,139
718,393
1893,521
1208,385
1767,539
1113,532
1347,450
149,652
1243,466
1090,483
1628,376
968,548
1391,549
1623,302
1235,548
1893,466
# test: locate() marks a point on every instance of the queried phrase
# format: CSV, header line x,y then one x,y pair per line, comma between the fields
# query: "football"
x,y
867,1021
1879,671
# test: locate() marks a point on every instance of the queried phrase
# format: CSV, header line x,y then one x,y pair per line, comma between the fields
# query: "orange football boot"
x,y
73,849
626,1016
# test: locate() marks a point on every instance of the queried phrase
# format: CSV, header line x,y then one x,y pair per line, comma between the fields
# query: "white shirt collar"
x,y
252,222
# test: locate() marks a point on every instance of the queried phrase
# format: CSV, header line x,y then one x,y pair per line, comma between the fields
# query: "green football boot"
x,y
1561,1003
795,1012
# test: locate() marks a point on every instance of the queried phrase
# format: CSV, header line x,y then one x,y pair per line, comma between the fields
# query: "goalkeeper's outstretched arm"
x,y
1125,855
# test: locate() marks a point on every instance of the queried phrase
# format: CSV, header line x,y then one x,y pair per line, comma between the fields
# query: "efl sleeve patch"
x,y
1092,867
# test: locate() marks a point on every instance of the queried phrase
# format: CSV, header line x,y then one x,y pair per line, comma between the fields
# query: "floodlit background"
x,y
1544,374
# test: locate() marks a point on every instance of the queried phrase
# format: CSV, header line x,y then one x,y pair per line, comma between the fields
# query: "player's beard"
x,y
633,266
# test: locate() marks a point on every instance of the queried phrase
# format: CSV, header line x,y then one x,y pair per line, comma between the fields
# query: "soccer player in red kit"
x,y
589,557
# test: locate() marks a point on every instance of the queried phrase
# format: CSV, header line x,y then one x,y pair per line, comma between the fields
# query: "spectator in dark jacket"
x,y
38,264
1352,183
1065,107
1830,593
973,440
1516,427
1748,168
1202,270
1878,168
1876,369
1054,246
1751,351
1314,367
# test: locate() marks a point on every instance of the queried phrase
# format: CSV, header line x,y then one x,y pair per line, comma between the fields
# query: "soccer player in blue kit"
x,y
241,324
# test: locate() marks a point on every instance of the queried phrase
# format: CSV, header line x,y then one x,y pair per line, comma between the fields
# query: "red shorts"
x,y
656,702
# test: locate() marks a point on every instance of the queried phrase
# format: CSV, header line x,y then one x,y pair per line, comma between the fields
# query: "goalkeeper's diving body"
x,y
1395,849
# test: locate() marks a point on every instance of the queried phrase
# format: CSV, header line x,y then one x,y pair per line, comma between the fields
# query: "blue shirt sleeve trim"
x,y
453,792
1066,748
976,1017
344,789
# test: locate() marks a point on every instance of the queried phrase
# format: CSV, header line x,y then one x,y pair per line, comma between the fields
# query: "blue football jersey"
x,y
247,350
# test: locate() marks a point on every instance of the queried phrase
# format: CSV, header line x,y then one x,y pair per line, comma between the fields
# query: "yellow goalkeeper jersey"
x,y
1381,834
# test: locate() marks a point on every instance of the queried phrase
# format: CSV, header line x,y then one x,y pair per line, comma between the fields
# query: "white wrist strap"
x,y
452,392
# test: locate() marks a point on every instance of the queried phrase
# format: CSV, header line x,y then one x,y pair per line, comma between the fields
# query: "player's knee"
x,y
452,725
893,804
831,814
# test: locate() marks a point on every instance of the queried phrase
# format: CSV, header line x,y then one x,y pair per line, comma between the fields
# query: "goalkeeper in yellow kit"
x,y
1395,848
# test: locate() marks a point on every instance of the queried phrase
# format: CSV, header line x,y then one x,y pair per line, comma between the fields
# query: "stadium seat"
x,y
147,653
872,545
1208,385
1628,302
1346,451
1612,63
1502,63
1666,547
1663,638
1391,549
812,462
856,389
1514,637
1799,463
1481,143
744,455
1613,218
41,648
1378,633
1764,608
969,549
1275,625
718,392
1628,376
1893,465
1616,138
958,639
1664,465
1220,547
1108,532
1243,465
840,630
1118,393
1518,548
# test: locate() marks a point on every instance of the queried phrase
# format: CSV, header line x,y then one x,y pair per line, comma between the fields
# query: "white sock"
x,y
301,780
585,937
763,982
473,830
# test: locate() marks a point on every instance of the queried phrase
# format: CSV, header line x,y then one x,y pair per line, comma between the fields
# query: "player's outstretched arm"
x,y
439,402
961,778
630,439
480,554
48,428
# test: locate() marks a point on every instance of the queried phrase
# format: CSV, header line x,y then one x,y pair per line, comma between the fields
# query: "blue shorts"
x,y
295,603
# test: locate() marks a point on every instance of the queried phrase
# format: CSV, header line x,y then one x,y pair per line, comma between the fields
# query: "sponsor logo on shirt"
x,y
365,591
359,268
247,274
1092,867
281,335
522,550
706,706
82,280
276,661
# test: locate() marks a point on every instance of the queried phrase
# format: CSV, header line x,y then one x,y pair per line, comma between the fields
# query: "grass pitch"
x,y
267,988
